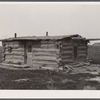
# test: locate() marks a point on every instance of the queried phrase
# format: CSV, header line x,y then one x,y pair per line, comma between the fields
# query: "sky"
x,y
58,18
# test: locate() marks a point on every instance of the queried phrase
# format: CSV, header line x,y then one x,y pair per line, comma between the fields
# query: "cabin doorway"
x,y
29,55
75,52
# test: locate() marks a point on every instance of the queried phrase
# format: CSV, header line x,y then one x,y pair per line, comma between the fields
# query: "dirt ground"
x,y
82,77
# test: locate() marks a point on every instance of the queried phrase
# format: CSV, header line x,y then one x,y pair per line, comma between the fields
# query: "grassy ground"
x,y
43,80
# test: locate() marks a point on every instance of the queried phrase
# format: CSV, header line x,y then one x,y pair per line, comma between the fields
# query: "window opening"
x,y
29,48
75,52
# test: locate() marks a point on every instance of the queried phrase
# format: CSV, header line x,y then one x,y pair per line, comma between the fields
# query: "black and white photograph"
x,y
49,46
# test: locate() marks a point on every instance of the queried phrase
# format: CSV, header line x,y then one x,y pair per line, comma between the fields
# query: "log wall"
x,y
82,50
16,55
67,51
46,54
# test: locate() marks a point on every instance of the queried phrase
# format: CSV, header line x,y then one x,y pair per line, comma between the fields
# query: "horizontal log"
x,y
48,46
15,49
14,57
81,55
45,54
18,48
47,42
45,50
12,45
65,61
14,54
46,65
67,48
67,44
84,51
66,57
45,58
13,61
67,52
81,47
44,62
49,60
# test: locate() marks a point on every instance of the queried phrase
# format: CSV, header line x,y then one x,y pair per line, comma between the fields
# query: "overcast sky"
x,y
35,18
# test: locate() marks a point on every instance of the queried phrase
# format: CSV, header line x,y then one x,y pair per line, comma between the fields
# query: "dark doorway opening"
x,y
75,52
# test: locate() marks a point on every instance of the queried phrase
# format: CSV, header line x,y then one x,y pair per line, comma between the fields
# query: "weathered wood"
x,y
47,42
67,48
66,57
49,60
45,62
44,54
39,49
14,57
13,61
81,47
67,52
45,58
84,51
14,54
67,60
48,47
67,44
45,66
81,55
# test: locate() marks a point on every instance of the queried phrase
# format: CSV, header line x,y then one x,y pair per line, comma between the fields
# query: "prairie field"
x,y
46,80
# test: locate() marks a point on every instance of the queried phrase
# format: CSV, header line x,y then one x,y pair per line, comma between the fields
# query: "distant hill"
x,y
0,53
94,52
96,44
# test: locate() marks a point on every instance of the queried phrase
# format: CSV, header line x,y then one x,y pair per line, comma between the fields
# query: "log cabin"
x,y
44,51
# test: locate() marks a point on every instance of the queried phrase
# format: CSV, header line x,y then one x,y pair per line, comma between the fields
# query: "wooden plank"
x,y
67,52
14,57
48,47
84,51
67,48
14,54
67,44
67,60
66,57
13,61
45,50
81,47
81,55
45,58
45,66
18,48
44,54
47,42
45,62
17,52
49,60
